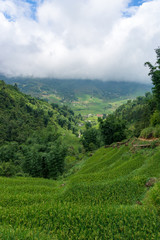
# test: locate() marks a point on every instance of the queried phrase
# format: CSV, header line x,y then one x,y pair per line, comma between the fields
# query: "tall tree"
x,y
112,129
155,76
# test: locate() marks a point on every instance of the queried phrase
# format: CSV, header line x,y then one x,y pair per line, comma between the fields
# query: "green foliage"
x,y
66,118
44,155
147,133
30,134
20,115
7,169
91,139
137,113
155,118
151,132
155,77
112,130
153,197
88,125
106,198
156,132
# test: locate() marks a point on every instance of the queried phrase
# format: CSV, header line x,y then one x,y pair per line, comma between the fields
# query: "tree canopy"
x,y
155,76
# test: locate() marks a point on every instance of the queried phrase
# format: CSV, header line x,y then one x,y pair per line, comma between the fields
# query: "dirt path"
x,y
148,140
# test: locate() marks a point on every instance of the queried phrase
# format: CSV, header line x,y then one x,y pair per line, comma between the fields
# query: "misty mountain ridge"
x,y
71,89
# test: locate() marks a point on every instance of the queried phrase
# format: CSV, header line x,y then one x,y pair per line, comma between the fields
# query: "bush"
x,y
156,131
155,118
7,169
91,139
147,132
150,132
112,129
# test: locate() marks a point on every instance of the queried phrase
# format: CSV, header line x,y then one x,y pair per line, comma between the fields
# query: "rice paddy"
x,y
107,198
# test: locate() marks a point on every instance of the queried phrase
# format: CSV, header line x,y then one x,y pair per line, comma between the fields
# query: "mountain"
x,y
71,89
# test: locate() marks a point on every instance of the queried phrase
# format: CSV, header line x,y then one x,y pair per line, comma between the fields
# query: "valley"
x,y
83,96
82,174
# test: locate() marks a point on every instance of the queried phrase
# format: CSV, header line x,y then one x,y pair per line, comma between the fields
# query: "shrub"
x,y
91,139
112,129
147,132
155,118
156,131
150,132
7,169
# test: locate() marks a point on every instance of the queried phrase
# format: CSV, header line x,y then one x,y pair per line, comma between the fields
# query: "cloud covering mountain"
x,y
96,39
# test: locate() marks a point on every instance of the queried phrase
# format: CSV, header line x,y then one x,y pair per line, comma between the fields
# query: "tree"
x,y
112,129
155,77
88,125
91,139
44,154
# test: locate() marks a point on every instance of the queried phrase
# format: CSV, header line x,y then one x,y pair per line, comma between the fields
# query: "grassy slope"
x,y
87,104
97,202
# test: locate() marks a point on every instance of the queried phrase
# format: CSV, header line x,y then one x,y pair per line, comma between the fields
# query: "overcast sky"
x,y
95,39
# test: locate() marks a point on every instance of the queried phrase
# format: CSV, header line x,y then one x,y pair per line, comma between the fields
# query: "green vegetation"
x,y
150,132
107,198
143,114
71,90
87,96
87,104
34,135
155,77
92,139
112,129
109,193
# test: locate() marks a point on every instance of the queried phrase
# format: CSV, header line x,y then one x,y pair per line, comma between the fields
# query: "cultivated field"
x,y
114,195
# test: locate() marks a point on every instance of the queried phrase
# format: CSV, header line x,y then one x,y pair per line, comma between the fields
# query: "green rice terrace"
x,y
113,194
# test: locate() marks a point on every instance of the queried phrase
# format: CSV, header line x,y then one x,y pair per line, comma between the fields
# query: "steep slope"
x,y
31,134
20,114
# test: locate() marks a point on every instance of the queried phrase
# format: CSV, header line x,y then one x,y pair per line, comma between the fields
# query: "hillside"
x,y
114,195
34,135
83,96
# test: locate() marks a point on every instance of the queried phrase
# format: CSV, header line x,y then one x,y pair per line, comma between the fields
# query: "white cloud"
x,y
79,39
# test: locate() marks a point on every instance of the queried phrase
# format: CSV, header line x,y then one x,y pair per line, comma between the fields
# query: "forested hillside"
x,y
70,90
32,134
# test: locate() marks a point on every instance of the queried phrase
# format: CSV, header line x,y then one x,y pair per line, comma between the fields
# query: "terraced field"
x,y
114,195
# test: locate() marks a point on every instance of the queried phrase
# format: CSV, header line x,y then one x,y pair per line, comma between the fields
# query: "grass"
x,y
104,198
86,104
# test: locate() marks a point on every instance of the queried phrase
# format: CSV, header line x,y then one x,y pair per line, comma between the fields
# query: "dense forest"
x,y
31,134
